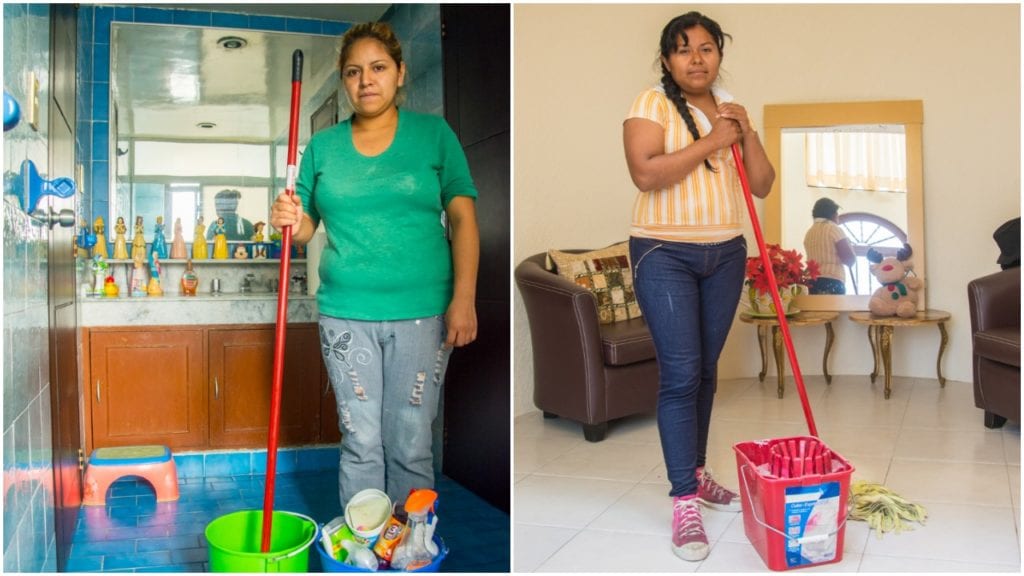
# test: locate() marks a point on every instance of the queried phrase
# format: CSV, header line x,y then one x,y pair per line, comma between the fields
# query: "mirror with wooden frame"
x,y
865,156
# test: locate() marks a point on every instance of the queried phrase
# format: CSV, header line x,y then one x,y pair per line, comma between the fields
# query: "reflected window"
x,y
184,205
871,158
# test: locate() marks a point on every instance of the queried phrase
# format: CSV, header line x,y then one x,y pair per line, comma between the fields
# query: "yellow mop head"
x,y
883,509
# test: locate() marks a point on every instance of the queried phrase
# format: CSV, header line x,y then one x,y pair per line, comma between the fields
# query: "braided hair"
x,y
677,28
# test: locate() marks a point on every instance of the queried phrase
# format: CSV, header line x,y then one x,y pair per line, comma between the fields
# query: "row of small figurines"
x,y
200,248
141,282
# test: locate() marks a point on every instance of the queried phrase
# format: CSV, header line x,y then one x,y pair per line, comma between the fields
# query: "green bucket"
x,y
234,542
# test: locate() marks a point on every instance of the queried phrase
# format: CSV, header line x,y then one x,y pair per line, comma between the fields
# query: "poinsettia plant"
x,y
788,266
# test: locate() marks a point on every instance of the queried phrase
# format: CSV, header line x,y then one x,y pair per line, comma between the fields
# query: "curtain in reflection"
x,y
857,161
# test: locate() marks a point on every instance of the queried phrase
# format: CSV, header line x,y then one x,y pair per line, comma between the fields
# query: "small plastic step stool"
x,y
107,465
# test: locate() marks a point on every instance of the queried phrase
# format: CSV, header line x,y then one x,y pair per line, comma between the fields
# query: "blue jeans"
x,y
688,294
387,379
823,285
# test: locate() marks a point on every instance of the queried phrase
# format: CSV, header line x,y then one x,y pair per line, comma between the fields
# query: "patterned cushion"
x,y
606,273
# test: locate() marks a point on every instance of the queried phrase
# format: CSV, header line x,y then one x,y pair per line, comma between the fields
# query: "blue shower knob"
x,y
30,187
12,112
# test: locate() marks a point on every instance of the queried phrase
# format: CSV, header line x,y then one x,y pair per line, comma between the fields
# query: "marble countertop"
x,y
206,308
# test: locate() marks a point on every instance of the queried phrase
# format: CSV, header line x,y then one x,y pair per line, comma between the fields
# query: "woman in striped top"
x,y
688,250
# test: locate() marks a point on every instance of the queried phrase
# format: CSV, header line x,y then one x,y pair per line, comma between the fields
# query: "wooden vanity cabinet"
x,y
147,387
203,387
241,376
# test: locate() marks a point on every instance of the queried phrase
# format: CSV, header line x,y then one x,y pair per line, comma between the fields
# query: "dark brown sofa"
x,y
994,302
583,370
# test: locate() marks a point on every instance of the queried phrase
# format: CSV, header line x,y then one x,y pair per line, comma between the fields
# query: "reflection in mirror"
x,y
866,158
863,170
200,120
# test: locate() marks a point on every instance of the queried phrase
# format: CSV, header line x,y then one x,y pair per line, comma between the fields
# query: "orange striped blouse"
x,y
704,206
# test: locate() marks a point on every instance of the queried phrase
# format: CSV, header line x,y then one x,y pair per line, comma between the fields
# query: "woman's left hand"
x,y
460,320
734,111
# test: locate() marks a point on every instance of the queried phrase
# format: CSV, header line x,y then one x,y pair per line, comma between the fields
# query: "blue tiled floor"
x,y
134,533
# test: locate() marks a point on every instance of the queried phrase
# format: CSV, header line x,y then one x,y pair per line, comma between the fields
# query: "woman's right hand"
x,y
286,211
725,132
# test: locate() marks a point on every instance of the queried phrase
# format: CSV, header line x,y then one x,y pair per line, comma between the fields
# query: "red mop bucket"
x,y
792,522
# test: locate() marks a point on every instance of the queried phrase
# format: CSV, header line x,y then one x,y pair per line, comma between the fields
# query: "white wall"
x,y
578,68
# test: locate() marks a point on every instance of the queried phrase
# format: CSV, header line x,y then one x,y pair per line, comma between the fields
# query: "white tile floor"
x,y
604,507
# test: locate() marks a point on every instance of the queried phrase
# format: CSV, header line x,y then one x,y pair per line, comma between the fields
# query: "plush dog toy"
x,y
898,294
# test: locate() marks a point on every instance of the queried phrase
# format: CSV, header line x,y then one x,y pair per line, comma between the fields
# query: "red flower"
x,y
787,265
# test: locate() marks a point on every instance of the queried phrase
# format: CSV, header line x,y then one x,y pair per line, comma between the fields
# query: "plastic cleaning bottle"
x,y
359,555
189,280
390,536
417,548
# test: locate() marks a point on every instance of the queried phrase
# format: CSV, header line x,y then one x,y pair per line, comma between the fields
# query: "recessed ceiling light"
x,y
206,125
232,42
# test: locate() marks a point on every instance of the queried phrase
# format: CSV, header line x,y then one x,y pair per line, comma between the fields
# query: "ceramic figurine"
x,y
140,277
159,241
178,251
85,240
220,240
199,249
259,251
240,252
120,245
98,229
153,288
99,273
110,288
139,240
189,280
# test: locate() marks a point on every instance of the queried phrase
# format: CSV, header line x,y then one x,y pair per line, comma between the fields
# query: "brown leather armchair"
x,y
583,370
994,302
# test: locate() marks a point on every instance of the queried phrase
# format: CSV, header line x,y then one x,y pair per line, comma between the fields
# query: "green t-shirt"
x,y
386,256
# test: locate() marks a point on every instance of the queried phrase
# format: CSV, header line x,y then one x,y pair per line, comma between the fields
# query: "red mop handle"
x,y
774,290
282,307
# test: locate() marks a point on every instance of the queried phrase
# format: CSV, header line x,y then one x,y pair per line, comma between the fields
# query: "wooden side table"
x,y
797,320
880,331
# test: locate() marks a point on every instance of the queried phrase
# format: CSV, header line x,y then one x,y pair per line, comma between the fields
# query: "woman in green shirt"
x,y
398,273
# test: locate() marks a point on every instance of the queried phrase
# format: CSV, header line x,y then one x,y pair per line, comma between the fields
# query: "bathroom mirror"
x,y
196,111
866,156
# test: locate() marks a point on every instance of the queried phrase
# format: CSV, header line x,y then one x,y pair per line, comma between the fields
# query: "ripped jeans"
x,y
387,379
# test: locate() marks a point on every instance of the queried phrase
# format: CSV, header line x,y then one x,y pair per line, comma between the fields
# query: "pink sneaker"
x,y
714,495
689,541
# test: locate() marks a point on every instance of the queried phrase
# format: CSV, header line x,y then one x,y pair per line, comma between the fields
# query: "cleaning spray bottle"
x,y
417,549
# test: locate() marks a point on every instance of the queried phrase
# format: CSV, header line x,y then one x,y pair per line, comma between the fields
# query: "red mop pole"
x,y
282,307
774,290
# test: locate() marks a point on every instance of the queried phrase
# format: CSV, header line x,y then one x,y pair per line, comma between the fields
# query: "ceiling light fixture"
x,y
232,42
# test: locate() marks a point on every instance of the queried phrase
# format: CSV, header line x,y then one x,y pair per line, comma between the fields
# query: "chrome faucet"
x,y
247,283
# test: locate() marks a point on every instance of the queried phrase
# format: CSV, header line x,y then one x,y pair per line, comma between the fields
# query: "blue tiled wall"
x,y
245,463
418,26
28,544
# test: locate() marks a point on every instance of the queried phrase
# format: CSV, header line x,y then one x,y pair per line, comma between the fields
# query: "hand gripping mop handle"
x,y
774,290
282,307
